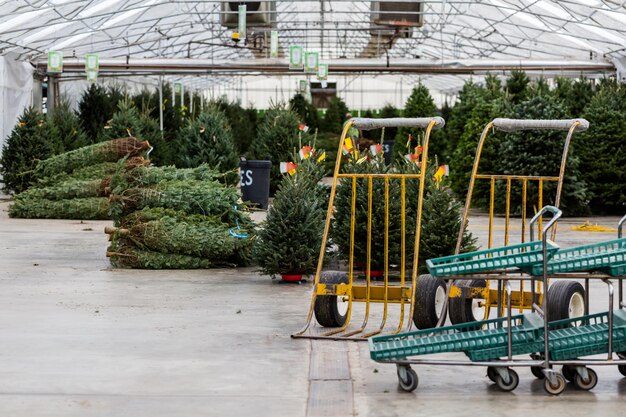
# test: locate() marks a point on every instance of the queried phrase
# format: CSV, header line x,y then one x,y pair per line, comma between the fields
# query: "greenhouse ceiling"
x,y
480,36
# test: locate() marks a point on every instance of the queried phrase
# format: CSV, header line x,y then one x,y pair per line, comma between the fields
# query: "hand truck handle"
x,y
556,215
421,122
620,227
514,125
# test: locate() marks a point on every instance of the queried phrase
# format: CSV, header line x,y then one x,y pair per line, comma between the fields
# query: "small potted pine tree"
x,y
289,240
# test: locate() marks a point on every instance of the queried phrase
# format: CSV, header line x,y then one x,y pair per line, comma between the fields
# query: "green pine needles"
x,y
291,236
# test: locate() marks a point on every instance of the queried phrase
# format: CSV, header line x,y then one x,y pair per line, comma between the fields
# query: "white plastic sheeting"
x,y
16,92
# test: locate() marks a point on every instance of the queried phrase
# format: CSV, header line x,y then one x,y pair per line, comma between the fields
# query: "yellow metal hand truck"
x,y
335,293
471,298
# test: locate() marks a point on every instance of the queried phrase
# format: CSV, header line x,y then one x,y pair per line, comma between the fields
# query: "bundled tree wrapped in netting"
x,y
209,198
170,231
126,177
67,189
93,172
123,254
91,208
110,151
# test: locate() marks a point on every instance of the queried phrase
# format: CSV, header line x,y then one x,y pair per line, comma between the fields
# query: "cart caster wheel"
x,y
557,388
511,384
408,382
537,371
622,369
569,373
331,310
588,384
492,373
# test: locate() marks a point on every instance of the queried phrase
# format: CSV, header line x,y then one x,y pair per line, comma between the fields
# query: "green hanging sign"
x,y
92,62
92,76
302,86
311,62
178,87
322,72
295,57
274,44
242,21
55,62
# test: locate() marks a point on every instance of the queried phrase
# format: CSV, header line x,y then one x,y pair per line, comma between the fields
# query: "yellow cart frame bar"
x,y
368,293
521,300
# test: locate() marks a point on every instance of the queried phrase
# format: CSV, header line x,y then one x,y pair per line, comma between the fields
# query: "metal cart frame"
x,y
495,297
387,293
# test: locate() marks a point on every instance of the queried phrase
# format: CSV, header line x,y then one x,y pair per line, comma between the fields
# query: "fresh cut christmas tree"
x,y
289,241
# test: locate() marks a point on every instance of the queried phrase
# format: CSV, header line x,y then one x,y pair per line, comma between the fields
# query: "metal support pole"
x,y
161,102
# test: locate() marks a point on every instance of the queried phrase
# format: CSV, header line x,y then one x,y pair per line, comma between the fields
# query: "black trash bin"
x,y
255,181
388,150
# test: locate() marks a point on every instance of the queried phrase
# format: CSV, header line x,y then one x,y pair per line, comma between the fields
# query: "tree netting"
x,y
91,208
122,254
110,151
170,231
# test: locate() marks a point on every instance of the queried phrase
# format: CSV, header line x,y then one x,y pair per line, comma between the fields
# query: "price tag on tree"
x,y
322,72
242,21
55,62
311,62
295,57
274,44
92,62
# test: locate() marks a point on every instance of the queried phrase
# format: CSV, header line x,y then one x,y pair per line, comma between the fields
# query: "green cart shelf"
x,y
456,338
568,339
523,256
605,256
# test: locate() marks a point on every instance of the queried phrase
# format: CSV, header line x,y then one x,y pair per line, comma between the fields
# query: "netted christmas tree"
x,y
602,149
28,143
208,139
66,127
110,151
290,238
278,137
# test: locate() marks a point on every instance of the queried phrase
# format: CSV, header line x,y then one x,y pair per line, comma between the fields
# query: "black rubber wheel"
x,y
462,309
622,369
430,296
566,299
492,373
508,386
537,371
587,384
326,308
410,383
557,388
569,373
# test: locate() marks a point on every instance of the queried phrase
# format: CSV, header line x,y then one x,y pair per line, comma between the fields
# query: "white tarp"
x,y
16,92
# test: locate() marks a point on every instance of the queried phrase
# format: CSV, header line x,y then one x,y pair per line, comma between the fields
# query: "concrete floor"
x,y
79,339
